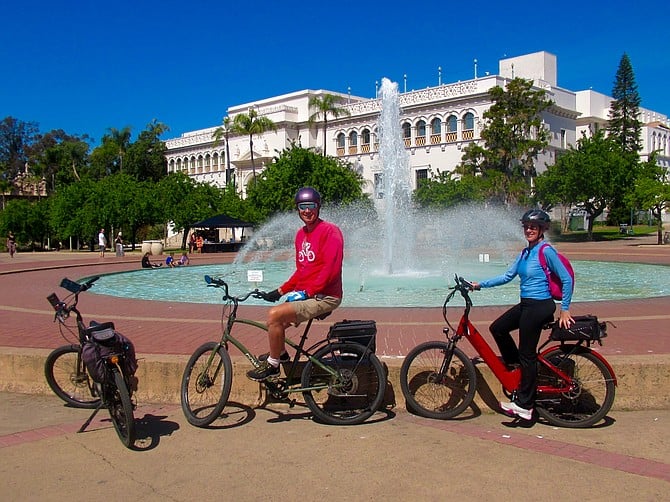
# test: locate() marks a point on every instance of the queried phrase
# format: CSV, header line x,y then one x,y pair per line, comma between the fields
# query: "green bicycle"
x,y
342,381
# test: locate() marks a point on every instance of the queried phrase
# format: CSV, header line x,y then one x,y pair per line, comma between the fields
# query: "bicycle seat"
x,y
323,316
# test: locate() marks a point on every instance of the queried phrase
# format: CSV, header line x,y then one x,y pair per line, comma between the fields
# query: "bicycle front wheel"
x,y
346,386
206,383
591,397
437,382
66,374
121,410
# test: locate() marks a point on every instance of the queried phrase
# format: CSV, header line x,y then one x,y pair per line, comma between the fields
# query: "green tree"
x,y
447,189
297,167
513,136
57,157
250,124
16,137
145,158
325,105
652,192
587,176
625,127
107,158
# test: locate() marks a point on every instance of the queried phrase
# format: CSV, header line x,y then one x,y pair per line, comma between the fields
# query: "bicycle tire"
x,y
121,408
204,397
67,376
429,390
351,397
589,402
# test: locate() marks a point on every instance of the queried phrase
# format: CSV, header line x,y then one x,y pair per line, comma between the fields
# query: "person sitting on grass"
x,y
147,264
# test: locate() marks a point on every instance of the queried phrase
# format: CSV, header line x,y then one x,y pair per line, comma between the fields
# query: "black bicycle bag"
x,y
104,341
586,327
355,331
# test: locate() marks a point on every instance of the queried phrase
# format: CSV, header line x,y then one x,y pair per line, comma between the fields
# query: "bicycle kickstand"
x,y
90,419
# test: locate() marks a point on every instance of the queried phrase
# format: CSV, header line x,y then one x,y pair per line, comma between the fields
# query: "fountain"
x,y
395,255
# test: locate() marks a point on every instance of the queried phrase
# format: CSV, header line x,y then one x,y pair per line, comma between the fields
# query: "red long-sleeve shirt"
x,y
318,261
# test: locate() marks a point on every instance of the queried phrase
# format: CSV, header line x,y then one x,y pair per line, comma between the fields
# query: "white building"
x,y
437,123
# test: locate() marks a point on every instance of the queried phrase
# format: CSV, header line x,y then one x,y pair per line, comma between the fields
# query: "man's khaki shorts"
x,y
314,307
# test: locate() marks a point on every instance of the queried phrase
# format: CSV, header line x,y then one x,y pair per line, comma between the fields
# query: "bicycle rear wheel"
x,y
206,383
67,376
437,382
592,396
353,393
121,409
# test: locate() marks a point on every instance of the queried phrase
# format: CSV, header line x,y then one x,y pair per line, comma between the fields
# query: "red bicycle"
x,y
575,385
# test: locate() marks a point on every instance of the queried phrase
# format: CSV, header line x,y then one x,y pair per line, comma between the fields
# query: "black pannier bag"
x,y
586,327
103,341
361,332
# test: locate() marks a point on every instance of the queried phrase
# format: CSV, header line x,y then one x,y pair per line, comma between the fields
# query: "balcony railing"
x,y
451,137
469,134
420,140
408,142
353,149
365,148
435,139
340,151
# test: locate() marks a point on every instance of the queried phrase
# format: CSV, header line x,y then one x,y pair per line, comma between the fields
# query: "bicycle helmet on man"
x,y
308,194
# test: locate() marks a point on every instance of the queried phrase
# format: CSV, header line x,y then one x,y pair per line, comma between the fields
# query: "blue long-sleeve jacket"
x,y
534,283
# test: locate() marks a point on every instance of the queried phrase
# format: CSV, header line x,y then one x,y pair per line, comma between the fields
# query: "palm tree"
x,y
250,123
324,105
224,131
121,138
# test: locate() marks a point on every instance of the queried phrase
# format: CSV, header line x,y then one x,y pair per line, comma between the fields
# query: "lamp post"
x,y
439,75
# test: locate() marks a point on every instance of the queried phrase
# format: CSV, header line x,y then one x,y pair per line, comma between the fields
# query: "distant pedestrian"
x,y
102,242
118,242
11,244
192,243
199,242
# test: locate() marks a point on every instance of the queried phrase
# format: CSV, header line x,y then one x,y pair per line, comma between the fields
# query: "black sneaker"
x,y
263,372
283,358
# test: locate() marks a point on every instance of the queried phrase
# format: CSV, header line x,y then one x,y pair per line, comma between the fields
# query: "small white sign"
x,y
483,257
255,275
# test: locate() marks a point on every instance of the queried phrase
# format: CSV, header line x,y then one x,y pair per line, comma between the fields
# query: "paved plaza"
x,y
395,456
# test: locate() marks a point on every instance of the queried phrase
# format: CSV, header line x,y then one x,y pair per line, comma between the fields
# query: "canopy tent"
x,y
221,221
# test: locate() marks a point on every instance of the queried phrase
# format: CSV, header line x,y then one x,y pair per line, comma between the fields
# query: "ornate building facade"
x,y
437,123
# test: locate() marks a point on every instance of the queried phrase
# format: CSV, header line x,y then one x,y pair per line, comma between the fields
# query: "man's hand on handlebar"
x,y
268,296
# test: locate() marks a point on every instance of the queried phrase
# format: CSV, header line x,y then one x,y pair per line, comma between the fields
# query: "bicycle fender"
x,y
579,349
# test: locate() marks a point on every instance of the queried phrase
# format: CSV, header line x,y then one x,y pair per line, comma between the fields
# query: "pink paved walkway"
x,y
642,326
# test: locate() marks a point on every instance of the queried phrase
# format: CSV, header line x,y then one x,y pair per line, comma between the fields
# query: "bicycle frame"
x,y
292,386
511,378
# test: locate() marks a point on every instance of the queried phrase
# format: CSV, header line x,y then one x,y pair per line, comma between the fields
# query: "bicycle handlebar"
x,y
62,309
220,283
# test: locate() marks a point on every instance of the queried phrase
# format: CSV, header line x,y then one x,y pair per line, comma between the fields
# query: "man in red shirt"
x,y
314,289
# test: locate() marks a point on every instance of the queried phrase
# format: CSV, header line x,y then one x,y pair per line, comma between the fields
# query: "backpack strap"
x,y
543,259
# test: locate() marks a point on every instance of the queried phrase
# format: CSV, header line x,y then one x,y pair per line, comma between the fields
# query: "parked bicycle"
x,y
575,385
341,379
94,370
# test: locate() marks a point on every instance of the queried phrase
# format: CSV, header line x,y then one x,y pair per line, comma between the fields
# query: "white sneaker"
x,y
515,409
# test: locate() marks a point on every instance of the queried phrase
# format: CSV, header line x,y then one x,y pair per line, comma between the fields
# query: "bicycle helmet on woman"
x,y
308,194
536,216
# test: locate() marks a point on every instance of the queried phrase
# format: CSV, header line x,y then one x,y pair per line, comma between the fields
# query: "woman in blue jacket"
x,y
535,308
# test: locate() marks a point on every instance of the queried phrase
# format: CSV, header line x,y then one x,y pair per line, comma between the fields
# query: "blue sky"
x,y
86,66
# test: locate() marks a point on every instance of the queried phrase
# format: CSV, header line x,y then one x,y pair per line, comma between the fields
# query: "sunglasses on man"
x,y
304,206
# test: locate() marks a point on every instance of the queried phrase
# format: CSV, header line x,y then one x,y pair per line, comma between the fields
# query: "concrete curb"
x,y
642,380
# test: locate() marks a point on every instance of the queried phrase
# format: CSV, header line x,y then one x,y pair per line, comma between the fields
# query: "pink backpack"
x,y
555,284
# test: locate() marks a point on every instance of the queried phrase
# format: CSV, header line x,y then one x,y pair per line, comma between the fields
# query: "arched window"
x,y
452,123
353,142
340,140
420,133
435,131
407,133
365,140
468,126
